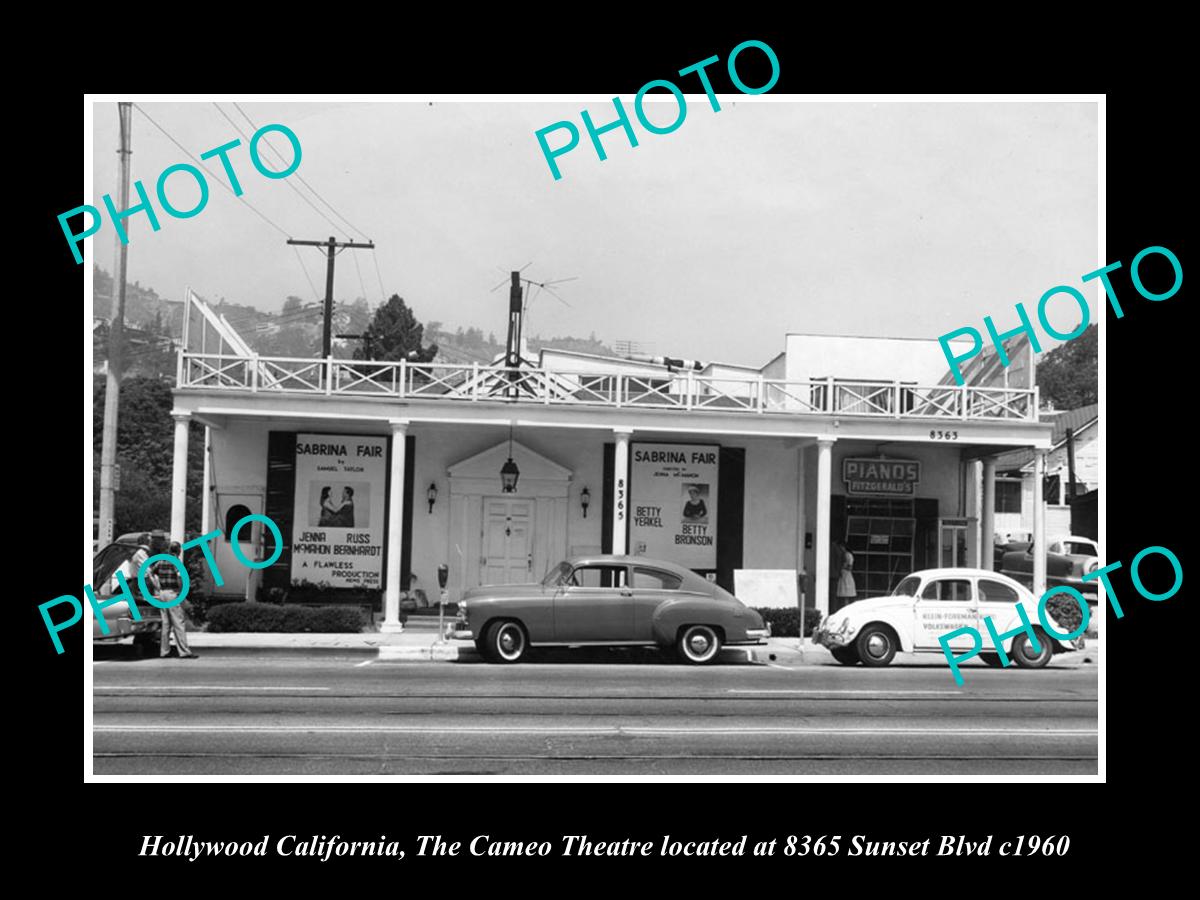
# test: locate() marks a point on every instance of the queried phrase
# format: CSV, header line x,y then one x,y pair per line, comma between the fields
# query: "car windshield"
x,y
907,587
557,575
1078,548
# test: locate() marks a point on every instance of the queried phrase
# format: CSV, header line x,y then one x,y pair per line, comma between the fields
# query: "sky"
x,y
711,242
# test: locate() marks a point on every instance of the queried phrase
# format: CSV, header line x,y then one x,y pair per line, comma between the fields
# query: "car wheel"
x,y
992,659
505,642
876,645
1022,651
698,644
847,656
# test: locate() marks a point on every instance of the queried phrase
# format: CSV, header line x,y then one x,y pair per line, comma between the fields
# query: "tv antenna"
x,y
521,295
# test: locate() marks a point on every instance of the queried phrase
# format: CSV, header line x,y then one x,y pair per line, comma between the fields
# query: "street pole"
x,y
331,246
1070,465
116,340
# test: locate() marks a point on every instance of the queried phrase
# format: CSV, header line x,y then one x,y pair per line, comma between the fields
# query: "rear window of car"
x,y
1075,548
655,580
996,592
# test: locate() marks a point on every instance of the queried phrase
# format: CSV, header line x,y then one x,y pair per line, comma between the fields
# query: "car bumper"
x,y
457,631
832,639
118,629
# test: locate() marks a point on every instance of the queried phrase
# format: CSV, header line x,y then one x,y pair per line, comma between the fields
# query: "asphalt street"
x,y
596,714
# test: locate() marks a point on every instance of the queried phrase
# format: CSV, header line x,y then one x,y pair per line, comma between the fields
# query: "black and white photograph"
x,y
536,422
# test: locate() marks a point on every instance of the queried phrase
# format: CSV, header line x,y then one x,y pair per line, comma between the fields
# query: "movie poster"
x,y
673,498
338,529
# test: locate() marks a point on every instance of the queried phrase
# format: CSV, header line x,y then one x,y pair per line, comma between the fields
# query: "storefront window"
x,y
879,532
1008,496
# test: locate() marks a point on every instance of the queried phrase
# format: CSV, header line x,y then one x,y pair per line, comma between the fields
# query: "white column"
x,y
179,476
206,495
395,529
801,520
620,491
987,516
1039,523
821,550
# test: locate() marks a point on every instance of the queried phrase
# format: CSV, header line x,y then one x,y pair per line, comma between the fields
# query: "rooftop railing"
x,y
684,391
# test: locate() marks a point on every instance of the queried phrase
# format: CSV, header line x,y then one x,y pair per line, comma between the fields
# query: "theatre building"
x,y
379,473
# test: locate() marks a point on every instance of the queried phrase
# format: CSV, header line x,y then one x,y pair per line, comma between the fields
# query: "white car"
x,y
928,604
1073,545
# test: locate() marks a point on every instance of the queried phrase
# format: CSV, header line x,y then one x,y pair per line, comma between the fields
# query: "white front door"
x,y
507,556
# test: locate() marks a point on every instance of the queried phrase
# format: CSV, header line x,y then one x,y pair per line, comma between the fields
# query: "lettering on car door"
x,y
944,605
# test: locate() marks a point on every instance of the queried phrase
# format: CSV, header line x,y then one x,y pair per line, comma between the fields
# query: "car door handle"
x,y
626,593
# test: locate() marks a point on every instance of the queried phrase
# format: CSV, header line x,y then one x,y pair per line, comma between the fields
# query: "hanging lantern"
x,y
509,473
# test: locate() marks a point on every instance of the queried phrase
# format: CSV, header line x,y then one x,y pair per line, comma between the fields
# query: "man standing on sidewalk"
x,y
169,585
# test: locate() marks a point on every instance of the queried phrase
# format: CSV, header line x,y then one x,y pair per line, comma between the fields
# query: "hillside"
x,y
295,330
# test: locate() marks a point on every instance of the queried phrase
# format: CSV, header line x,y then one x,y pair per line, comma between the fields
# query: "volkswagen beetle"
x,y
928,604
607,601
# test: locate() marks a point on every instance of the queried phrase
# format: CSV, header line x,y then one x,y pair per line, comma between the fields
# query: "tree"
x,y
145,448
1067,375
395,334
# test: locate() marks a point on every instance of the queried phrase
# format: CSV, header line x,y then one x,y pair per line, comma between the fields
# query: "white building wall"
x,y
769,507
882,359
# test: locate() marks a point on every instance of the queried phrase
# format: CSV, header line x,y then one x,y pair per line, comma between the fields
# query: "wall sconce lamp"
x,y
431,495
585,499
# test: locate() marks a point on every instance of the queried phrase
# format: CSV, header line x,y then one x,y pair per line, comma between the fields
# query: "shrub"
x,y
1064,610
285,618
786,622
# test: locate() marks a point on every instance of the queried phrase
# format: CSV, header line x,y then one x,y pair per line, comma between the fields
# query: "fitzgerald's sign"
x,y
673,503
881,477
337,535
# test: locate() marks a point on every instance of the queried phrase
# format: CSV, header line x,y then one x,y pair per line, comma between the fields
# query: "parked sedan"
x,y
1068,559
928,604
118,556
607,601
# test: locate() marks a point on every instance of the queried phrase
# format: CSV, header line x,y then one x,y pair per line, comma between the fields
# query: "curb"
x,y
297,651
436,652
446,652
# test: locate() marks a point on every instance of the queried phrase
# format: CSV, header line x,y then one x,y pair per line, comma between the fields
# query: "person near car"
x,y
837,557
846,589
170,583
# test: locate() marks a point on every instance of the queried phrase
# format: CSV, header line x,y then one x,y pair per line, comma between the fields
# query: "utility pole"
x,y
331,246
116,340
1070,464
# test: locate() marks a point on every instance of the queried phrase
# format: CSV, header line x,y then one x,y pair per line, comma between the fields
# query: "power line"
x,y
379,275
361,283
209,171
300,177
287,181
316,295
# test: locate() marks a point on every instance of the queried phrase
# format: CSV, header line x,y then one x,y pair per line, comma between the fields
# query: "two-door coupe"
x,y
1068,559
607,601
928,604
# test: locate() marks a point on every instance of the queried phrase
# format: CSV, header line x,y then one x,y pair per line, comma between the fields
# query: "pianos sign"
x,y
882,477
